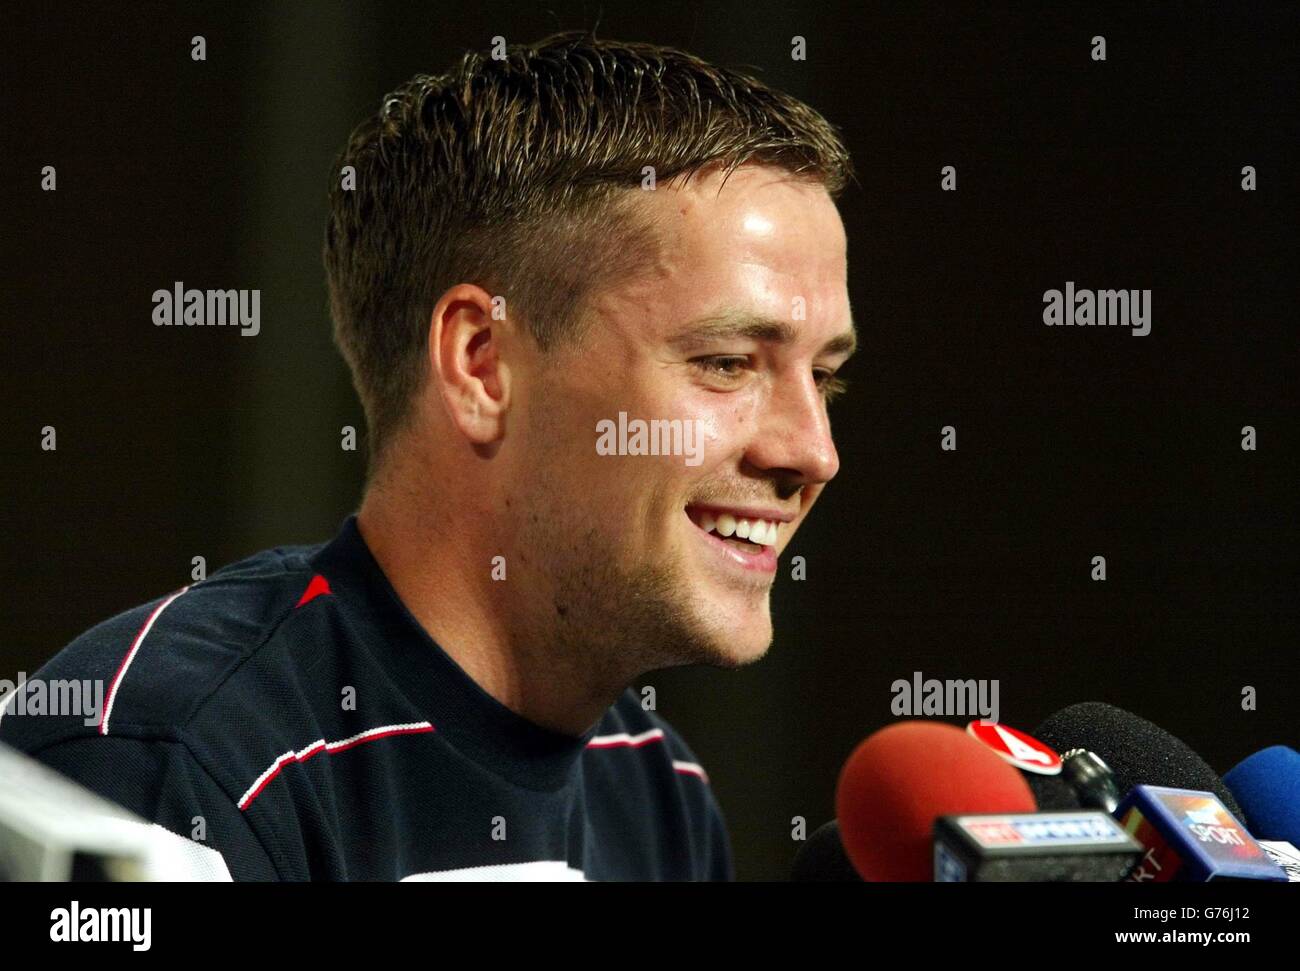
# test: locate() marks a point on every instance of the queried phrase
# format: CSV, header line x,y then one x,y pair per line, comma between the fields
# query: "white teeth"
x,y
761,532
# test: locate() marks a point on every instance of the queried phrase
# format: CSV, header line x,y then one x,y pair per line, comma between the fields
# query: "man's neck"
x,y
428,562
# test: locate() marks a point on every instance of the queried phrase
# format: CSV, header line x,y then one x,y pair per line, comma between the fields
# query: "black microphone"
x,y
822,858
1137,751
1052,792
1172,802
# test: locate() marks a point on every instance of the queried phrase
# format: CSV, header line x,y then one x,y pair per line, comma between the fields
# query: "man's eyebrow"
x,y
756,327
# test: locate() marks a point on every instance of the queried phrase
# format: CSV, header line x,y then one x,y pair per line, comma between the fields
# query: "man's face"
x,y
736,331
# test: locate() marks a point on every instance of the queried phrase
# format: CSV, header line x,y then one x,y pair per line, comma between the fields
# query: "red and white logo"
x,y
1021,750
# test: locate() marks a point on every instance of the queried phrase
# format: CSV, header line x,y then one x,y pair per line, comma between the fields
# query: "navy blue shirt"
x,y
290,714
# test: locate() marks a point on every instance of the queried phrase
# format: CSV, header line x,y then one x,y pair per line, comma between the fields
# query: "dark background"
x,y
176,442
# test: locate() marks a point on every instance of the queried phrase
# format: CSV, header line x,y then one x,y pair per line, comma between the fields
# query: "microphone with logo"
x,y
924,800
1057,784
1171,801
1267,785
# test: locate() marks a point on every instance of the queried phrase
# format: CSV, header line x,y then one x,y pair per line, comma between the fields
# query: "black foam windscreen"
x,y
822,859
1052,793
1138,752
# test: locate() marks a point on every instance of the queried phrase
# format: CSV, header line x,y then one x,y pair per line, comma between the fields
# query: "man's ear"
x,y
466,362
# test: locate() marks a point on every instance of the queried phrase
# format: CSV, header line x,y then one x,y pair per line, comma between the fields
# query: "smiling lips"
x,y
749,540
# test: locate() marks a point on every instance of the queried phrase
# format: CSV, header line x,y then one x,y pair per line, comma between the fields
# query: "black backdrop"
x,y
1072,442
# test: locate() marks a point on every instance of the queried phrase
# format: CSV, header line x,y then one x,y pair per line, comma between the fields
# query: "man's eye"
x,y
832,387
724,366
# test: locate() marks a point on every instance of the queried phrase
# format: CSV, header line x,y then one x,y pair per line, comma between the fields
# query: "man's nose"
x,y
794,435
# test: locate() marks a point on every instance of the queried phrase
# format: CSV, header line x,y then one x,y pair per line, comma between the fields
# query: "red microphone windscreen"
x,y
901,779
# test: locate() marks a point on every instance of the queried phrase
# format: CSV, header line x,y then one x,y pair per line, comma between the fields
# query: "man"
x,y
593,297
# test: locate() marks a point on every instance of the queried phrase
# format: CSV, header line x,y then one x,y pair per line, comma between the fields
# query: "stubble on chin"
x,y
629,619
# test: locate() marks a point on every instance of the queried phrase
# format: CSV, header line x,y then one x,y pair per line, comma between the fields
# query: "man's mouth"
x,y
747,532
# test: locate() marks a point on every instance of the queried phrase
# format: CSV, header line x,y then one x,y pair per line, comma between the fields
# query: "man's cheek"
x,y
711,435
